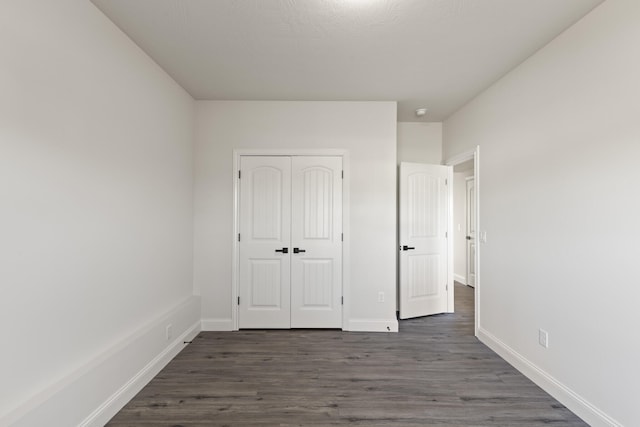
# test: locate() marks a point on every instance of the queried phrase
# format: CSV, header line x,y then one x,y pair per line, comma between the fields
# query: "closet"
x,y
290,242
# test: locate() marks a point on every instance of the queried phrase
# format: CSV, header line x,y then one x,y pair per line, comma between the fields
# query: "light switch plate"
x,y
543,338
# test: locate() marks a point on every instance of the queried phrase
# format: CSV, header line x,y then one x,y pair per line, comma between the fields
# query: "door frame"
x,y
474,155
235,258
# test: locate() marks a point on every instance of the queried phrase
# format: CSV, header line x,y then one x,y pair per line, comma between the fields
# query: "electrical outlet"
x,y
169,332
483,237
543,338
380,296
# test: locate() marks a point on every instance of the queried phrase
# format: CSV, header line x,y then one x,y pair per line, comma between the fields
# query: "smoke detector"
x,y
420,112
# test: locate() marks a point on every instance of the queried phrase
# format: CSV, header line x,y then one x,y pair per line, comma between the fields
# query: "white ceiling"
x,y
436,54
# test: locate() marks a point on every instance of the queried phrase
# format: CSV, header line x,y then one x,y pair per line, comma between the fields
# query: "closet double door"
x,y
290,248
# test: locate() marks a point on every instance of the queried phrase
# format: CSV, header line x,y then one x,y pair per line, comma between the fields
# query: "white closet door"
x,y
265,258
316,230
423,239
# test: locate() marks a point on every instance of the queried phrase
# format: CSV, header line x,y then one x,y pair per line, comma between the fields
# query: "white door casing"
x,y
316,229
265,206
471,232
424,251
290,250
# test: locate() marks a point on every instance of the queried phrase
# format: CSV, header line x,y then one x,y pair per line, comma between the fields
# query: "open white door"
x,y
265,258
424,217
471,232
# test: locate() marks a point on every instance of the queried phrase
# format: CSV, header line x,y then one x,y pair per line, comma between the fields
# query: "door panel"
x,y
423,242
316,195
267,189
265,283
422,213
316,284
316,229
423,275
265,215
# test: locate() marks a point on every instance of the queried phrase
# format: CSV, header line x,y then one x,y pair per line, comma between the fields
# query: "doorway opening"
x,y
464,235
466,207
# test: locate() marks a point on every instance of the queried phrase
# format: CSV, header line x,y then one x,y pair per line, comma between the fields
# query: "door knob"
x,y
468,237
296,250
406,248
283,250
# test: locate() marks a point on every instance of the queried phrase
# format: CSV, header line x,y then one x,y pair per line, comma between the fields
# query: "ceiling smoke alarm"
x,y
421,112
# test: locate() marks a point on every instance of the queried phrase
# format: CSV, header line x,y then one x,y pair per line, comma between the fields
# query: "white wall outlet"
x,y
483,237
169,332
380,296
543,338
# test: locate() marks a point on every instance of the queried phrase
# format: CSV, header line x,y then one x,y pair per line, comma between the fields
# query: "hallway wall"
x,y
560,143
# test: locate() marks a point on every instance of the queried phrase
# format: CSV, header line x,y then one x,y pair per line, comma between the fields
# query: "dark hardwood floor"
x,y
433,373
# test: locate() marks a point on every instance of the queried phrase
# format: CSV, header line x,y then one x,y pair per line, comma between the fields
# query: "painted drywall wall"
x,y
460,225
420,142
96,216
366,129
560,143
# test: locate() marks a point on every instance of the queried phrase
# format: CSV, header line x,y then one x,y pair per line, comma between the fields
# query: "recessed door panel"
x,y
317,284
317,202
264,284
423,213
266,203
423,275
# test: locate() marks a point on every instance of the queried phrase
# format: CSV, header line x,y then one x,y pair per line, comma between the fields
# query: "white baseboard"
x,y
119,399
372,325
572,400
357,325
460,279
215,325
96,390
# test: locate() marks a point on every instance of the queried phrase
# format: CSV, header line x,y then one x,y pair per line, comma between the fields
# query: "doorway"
x,y
466,206
470,214
288,254
464,223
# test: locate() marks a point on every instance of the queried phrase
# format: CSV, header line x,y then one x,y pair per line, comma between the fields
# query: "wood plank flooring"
x,y
433,372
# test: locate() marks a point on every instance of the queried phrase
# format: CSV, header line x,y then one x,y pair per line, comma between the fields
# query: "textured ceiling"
x,y
436,54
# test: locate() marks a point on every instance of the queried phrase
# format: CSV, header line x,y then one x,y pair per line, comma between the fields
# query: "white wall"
x,y
366,129
420,142
95,208
460,225
560,145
